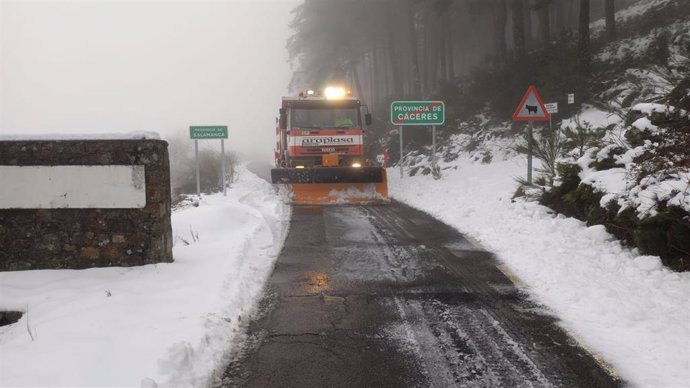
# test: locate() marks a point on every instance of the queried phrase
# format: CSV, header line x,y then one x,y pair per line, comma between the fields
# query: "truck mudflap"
x,y
334,185
328,175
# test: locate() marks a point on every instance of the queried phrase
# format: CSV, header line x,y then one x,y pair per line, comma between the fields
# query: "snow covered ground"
x,y
625,307
168,324
623,15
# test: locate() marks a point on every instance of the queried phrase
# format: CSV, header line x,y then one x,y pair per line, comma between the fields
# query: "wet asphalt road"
x,y
387,296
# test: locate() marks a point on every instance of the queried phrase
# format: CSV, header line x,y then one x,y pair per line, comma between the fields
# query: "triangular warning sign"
x,y
531,107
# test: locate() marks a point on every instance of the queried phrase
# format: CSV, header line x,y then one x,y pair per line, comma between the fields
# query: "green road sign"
x,y
208,132
418,112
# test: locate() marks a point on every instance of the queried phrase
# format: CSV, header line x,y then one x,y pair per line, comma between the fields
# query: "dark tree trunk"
x,y
545,22
610,10
433,63
380,72
500,20
355,80
442,52
387,73
570,15
559,24
415,87
518,28
405,63
583,39
432,48
449,47
529,31
396,74
427,51
372,76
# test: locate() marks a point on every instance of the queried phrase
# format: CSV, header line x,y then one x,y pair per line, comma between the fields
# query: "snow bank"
x,y
135,135
674,191
611,181
644,124
626,307
649,83
590,115
635,10
169,323
649,108
619,184
619,50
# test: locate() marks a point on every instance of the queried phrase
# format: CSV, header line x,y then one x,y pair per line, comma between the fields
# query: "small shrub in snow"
x,y
32,332
658,52
194,237
609,158
583,136
547,147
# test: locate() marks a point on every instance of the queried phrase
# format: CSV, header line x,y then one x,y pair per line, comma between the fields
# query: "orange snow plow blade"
x,y
338,193
325,185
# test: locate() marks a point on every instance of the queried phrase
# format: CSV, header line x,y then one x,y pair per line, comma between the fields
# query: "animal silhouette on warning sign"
x,y
531,107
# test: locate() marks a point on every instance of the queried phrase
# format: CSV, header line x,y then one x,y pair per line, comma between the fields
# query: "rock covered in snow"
x,y
650,108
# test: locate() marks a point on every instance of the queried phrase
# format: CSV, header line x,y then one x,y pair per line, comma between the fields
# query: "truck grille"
x,y
326,149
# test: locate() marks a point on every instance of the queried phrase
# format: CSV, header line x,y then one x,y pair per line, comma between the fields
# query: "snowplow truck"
x,y
320,151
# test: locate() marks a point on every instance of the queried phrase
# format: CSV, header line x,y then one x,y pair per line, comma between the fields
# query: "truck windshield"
x,y
324,118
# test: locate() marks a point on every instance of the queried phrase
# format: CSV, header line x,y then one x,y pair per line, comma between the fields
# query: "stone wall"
x,y
53,238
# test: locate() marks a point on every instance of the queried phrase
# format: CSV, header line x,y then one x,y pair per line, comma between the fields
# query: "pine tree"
x,y
585,55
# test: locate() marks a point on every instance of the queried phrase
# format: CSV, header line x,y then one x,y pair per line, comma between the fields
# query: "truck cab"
x,y
320,151
316,131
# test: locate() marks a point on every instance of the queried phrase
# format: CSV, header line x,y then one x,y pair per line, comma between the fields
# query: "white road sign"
x,y
551,107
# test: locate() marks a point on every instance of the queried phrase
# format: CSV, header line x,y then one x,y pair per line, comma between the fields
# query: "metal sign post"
x,y
196,158
433,151
222,155
551,108
209,132
530,132
531,108
420,113
402,156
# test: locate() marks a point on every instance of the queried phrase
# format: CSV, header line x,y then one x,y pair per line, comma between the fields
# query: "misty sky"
x,y
119,66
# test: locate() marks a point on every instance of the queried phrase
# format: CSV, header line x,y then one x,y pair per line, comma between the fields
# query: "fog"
x,y
120,66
